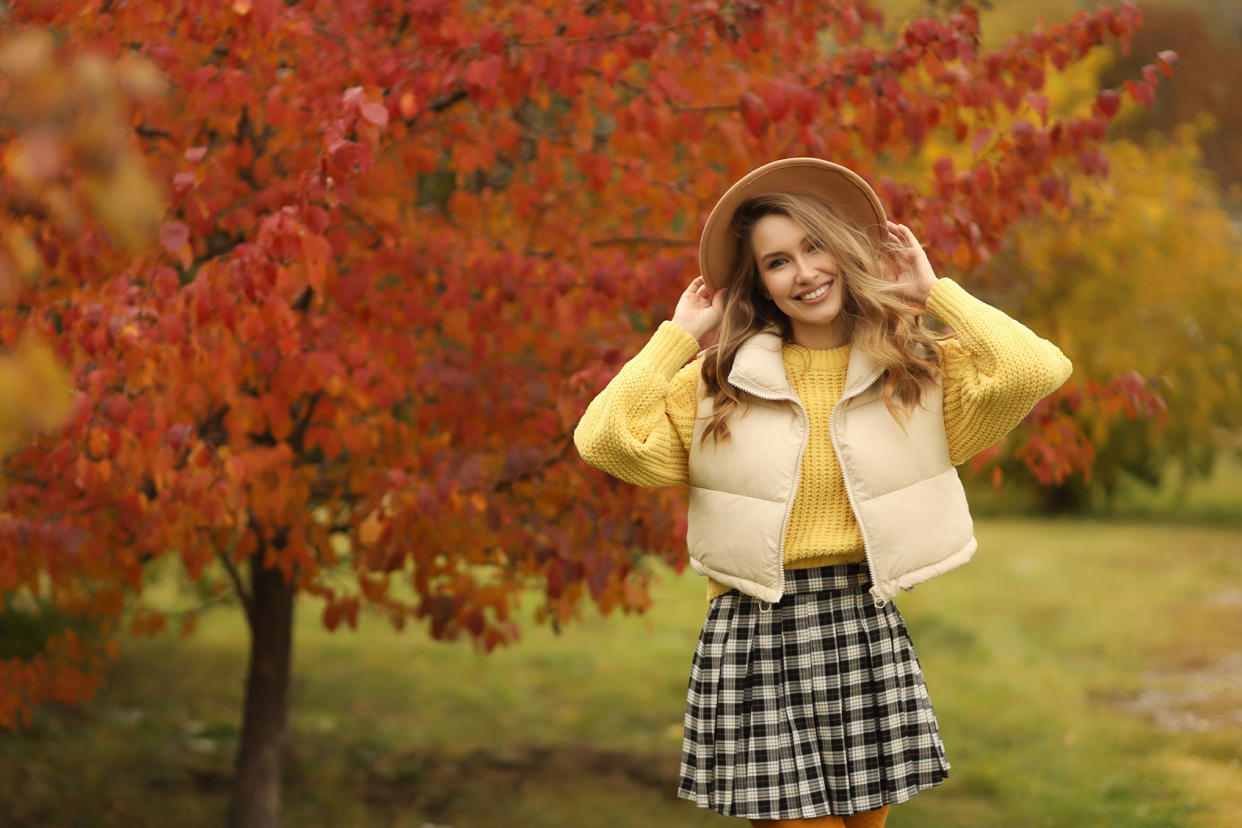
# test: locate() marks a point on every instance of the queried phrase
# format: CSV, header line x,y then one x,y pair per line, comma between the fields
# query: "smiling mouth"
x,y
814,294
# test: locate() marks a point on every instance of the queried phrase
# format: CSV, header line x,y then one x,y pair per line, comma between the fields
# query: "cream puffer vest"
x,y
904,491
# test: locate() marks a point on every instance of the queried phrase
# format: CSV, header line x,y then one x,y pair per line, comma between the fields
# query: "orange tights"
x,y
867,819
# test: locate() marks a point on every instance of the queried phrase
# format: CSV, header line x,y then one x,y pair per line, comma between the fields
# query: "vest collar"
x,y
759,368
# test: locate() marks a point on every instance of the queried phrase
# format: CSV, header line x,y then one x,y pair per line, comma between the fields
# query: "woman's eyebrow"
x,y
766,256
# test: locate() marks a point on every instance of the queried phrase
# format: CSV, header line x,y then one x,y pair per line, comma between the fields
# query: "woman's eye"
x,y
775,263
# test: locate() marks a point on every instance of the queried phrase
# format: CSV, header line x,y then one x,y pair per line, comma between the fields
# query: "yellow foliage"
x,y
997,20
21,255
72,119
1143,273
34,393
140,79
27,55
371,528
128,202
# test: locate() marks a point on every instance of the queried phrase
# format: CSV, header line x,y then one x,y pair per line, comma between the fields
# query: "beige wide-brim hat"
x,y
842,188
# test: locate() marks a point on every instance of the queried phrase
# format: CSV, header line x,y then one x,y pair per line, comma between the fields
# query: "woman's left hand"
x,y
910,266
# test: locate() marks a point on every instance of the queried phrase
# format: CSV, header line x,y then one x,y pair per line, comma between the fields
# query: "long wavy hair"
x,y
879,319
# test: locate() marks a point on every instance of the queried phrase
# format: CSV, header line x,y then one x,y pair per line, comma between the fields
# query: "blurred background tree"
x,y
1141,273
1206,92
1143,276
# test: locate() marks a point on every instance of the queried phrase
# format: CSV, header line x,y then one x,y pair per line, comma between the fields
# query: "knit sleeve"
x,y
995,370
640,426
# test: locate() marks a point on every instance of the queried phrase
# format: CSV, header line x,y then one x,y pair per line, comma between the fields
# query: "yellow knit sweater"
x,y
994,372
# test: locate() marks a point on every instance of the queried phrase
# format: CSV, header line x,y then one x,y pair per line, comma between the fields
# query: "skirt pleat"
x,y
815,705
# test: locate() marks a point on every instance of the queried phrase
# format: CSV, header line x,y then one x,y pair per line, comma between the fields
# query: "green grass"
x,y
1036,650
1043,656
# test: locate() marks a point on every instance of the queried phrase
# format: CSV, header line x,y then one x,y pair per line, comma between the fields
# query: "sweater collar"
x,y
759,368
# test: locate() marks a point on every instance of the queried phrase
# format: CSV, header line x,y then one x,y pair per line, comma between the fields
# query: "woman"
x,y
818,438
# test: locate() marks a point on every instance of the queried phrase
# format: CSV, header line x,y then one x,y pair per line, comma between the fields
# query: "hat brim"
x,y
841,187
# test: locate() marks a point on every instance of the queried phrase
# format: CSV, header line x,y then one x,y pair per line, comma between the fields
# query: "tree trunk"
x,y
261,752
1066,498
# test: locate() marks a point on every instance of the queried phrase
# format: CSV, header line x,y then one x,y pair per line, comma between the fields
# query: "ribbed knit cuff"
x,y
951,304
669,348
715,589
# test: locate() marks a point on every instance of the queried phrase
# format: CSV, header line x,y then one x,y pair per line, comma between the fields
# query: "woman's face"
x,y
802,279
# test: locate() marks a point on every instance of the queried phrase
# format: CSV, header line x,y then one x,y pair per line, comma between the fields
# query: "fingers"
x,y
894,234
903,233
699,289
699,286
904,238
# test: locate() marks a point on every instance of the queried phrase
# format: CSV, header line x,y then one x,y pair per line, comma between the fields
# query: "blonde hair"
x,y
879,320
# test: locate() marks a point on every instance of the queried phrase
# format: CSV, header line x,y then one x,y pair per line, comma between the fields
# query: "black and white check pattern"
x,y
815,706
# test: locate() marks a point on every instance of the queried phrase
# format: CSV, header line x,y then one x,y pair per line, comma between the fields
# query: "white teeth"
x,y
815,294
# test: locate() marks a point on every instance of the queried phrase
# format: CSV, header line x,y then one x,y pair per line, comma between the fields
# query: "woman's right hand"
x,y
700,309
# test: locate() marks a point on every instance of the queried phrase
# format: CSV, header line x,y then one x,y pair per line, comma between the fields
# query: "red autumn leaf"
x,y
753,115
777,100
376,113
485,73
1109,101
174,235
1040,104
806,104
980,140
1142,92
1050,188
1023,132
182,182
408,105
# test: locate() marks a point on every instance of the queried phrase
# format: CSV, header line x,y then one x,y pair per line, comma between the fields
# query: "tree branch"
x,y
246,598
706,108
298,434
658,241
367,225
688,24
145,131
443,102
505,485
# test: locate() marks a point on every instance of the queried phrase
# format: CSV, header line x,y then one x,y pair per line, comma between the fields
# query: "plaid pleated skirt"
x,y
815,705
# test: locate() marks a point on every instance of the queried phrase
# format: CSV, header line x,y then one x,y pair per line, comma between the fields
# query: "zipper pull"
x,y
880,601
